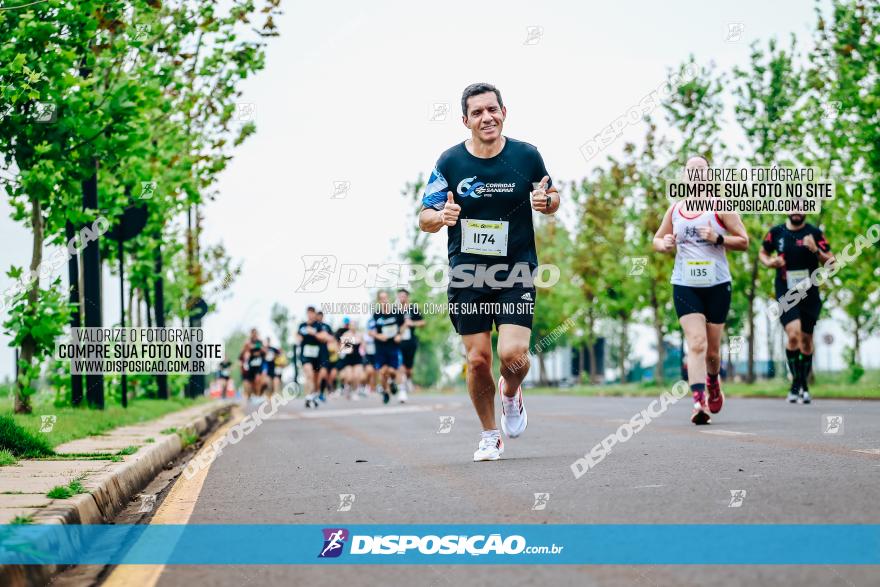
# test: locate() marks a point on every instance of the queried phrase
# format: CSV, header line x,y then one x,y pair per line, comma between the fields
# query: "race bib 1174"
x,y
484,237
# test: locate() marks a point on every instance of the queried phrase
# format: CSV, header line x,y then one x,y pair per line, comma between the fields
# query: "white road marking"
x,y
868,451
383,411
727,433
647,486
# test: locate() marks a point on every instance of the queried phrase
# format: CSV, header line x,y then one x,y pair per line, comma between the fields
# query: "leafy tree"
x,y
280,317
558,303
649,206
845,124
435,348
767,110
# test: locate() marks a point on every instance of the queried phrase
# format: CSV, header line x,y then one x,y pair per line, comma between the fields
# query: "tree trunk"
x,y
132,309
658,330
581,365
542,372
857,341
591,348
750,377
73,272
623,345
147,307
28,344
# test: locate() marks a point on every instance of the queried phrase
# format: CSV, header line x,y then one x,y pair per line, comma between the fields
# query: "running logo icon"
x,y
737,496
47,423
446,423
638,265
735,343
334,541
541,500
527,296
832,424
346,500
319,269
148,503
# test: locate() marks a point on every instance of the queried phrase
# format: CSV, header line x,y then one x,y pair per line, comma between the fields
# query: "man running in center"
x,y
484,190
800,248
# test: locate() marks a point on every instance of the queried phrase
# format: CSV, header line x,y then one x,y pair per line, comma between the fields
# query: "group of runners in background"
x,y
477,191
348,361
356,362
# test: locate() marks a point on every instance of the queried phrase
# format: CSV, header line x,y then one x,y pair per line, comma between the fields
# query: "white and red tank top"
x,y
698,263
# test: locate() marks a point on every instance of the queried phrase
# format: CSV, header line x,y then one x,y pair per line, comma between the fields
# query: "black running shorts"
x,y
712,302
474,310
408,353
807,311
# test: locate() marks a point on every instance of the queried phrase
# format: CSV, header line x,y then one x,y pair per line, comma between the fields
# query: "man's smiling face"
x,y
485,117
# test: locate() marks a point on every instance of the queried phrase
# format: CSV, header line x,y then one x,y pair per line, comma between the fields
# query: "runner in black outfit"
x,y
409,341
484,190
326,339
800,248
271,369
385,327
309,336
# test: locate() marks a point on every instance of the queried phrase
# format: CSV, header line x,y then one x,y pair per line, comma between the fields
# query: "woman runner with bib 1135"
x,y
701,288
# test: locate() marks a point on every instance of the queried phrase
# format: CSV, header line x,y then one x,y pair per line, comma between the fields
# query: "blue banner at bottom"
x,y
524,544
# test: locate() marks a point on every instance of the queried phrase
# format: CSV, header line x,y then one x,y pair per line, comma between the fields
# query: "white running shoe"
x,y
402,395
491,447
514,418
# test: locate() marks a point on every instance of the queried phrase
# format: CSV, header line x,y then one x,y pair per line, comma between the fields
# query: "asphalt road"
x,y
292,469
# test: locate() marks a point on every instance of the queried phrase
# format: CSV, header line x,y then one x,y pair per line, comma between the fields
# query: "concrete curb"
x,y
110,493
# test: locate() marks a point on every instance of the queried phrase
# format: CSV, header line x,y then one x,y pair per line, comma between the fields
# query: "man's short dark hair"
x,y
310,309
476,90
403,290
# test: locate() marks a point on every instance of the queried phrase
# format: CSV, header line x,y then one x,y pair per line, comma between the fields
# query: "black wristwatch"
x,y
719,240
549,200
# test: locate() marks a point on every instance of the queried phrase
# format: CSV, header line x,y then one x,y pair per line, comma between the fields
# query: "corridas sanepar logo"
x,y
334,541
469,187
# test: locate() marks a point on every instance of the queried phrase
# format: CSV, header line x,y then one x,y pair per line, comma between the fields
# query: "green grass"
x,y
21,441
168,431
75,487
187,438
73,423
7,458
827,385
128,450
22,520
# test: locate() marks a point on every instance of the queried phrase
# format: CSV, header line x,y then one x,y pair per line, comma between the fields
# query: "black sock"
x,y
792,357
713,377
806,365
698,388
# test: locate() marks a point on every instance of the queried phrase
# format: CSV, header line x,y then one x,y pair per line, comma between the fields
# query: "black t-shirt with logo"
x,y
390,324
789,244
310,339
494,190
271,354
311,347
255,359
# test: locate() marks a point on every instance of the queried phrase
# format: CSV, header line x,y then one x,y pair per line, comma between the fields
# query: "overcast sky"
x,y
348,93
